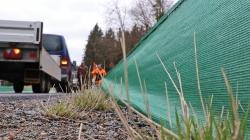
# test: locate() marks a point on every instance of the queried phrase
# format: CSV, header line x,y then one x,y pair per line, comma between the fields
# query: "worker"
x,y
98,73
95,74
82,73
102,72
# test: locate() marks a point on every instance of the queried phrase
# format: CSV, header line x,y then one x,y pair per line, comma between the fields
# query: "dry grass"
x,y
62,109
92,99
78,104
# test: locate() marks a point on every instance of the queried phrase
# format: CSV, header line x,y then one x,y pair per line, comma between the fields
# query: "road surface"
x,y
4,97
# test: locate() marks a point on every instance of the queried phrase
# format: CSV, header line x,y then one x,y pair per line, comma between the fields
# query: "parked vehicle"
x,y
23,59
75,84
57,48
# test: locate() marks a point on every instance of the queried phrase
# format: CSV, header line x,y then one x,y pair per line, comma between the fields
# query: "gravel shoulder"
x,y
24,119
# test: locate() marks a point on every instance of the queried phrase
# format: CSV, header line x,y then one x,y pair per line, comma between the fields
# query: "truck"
x,y
23,59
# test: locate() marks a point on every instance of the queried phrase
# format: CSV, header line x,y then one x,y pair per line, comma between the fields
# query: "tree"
x,y
133,36
142,15
112,51
102,49
126,37
117,15
147,12
93,45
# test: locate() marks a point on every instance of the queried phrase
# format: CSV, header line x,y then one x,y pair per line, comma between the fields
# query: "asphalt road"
x,y
7,97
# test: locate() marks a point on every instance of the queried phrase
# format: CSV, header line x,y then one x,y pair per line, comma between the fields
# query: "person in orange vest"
x,y
102,72
98,73
95,72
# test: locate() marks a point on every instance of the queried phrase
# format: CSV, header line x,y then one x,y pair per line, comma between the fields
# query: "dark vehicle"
x,y
56,46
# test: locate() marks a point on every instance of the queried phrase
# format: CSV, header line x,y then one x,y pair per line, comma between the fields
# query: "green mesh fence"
x,y
223,40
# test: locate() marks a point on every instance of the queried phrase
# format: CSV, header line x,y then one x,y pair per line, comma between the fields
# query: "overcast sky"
x,y
72,18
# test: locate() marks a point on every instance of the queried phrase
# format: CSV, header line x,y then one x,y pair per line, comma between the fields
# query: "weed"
x,y
78,104
62,109
92,99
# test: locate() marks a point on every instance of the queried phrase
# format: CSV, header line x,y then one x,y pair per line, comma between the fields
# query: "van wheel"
x,y
36,88
48,85
43,86
18,87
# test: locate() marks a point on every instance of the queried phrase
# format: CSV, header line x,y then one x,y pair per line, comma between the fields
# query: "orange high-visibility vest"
x,y
103,72
95,71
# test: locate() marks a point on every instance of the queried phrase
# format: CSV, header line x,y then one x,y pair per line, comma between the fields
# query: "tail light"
x,y
33,55
64,62
14,53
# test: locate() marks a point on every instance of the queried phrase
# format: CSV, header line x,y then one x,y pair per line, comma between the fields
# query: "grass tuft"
x,y
79,104
92,99
62,109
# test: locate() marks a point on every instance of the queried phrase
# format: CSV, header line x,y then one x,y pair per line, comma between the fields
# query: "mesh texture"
x,y
222,30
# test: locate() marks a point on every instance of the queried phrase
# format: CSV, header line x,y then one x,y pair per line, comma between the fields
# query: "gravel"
x,y
24,120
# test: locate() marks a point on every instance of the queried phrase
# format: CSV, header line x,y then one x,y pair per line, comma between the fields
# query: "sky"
x,y
74,19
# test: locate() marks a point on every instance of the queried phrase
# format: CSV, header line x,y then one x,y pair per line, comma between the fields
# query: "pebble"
x,y
27,121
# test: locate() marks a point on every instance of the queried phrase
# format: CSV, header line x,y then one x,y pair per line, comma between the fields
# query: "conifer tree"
x,y
91,52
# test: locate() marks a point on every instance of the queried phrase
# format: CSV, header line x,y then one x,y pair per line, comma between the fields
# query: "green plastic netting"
x,y
223,40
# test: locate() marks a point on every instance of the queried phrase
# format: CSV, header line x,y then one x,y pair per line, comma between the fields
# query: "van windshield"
x,y
52,43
